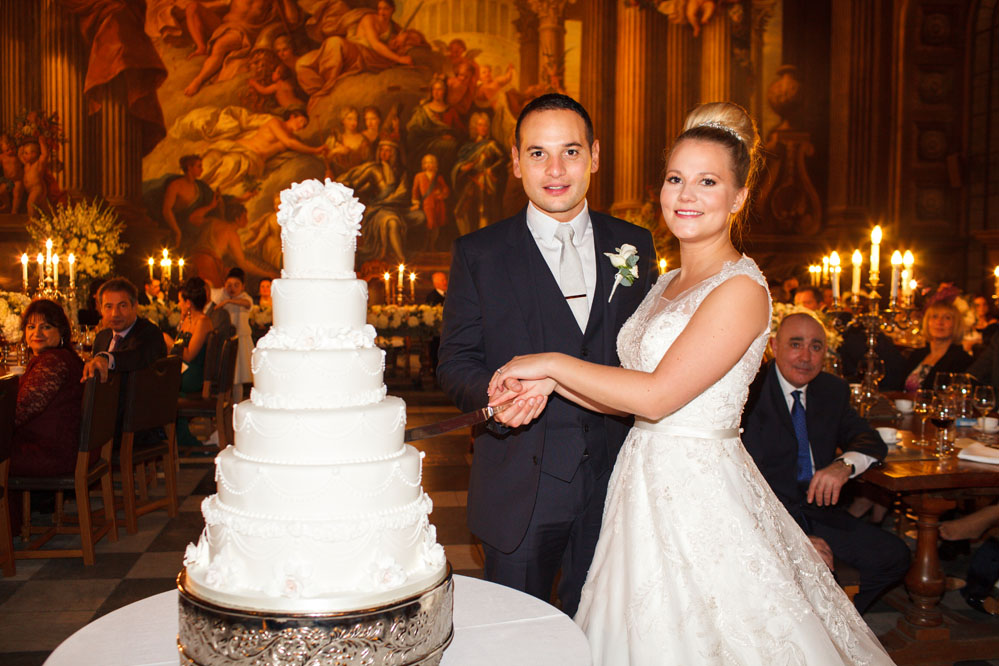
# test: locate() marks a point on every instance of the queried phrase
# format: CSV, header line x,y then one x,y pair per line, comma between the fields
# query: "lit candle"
x,y
834,269
912,287
909,261
166,254
997,281
24,270
152,262
169,266
48,255
662,266
875,253
164,275
813,273
825,270
858,260
41,269
180,270
55,271
905,286
896,264
388,287
71,260
412,287
402,269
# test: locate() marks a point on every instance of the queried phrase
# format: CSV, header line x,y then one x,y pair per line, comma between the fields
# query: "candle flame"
x,y
412,277
180,262
834,258
662,264
71,259
996,271
387,276
858,258
24,259
907,259
152,262
48,244
41,259
876,235
896,258
165,253
912,285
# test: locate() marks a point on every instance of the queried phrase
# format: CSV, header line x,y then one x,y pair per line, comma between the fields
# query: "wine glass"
x,y
984,401
962,391
922,401
942,414
943,383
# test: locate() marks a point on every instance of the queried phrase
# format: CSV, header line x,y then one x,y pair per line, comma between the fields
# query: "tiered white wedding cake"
x,y
320,506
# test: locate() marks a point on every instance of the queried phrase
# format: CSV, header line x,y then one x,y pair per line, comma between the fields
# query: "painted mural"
x,y
410,106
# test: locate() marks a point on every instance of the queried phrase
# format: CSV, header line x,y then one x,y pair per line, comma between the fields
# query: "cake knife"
x,y
447,425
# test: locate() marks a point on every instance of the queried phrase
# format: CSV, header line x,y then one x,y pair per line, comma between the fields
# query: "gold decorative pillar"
x,y
716,60
121,162
638,116
18,69
596,91
527,27
63,68
680,92
551,33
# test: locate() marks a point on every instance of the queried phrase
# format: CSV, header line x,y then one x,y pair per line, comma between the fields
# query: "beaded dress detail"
x,y
698,562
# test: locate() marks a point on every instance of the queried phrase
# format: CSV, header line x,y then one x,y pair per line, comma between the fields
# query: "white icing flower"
x,y
197,555
314,204
386,573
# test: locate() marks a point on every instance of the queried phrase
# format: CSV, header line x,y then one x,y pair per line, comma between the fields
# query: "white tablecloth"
x,y
493,626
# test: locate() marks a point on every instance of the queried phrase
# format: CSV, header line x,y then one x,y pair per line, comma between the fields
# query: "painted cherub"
x,y
34,155
282,87
12,180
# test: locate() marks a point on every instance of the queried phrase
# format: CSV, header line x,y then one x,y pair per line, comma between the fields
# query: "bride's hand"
x,y
532,366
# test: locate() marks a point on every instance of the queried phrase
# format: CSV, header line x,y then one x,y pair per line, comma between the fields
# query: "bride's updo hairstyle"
x,y
727,124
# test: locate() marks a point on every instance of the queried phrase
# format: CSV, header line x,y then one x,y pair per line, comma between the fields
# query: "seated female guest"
x,y
986,323
190,346
47,421
942,329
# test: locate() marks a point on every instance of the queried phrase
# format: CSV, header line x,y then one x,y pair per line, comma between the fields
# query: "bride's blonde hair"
x,y
731,126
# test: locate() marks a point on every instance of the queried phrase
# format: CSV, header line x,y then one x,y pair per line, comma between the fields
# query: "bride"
x,y
697,561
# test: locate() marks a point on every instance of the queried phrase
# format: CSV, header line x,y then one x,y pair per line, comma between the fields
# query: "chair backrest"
x,y
99,414
213,356
151,395
8,406
227,373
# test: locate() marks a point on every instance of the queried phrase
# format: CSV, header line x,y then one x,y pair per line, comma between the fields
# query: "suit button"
x,y
586,427
586,453
585,352
535,459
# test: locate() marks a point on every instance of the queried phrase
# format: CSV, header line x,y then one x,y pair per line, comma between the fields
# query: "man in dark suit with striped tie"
x,y
795,419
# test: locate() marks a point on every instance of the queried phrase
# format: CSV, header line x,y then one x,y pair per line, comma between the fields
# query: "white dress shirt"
x,y
111,345
860,461
542,228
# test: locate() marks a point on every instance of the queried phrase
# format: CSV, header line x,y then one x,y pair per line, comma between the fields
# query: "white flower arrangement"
x,y
626,262
164,315
91,230
12,304
420,321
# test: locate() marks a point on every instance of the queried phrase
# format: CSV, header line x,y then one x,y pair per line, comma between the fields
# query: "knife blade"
x,y
447,425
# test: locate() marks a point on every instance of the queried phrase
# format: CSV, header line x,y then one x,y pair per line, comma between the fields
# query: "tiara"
x,y
717,125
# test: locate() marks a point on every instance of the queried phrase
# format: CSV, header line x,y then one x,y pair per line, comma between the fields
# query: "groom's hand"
x,y
527,400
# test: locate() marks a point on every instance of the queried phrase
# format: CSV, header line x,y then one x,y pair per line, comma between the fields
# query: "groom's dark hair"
x,y
554,102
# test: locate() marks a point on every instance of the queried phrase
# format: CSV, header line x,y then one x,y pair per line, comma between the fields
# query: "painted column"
x,y
21,88
716,60
527,27
120,145
596,91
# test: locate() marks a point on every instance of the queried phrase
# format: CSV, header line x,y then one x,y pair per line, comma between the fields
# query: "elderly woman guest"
x,y
943,329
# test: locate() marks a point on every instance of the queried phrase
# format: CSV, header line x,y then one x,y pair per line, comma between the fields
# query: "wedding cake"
x,y
319,506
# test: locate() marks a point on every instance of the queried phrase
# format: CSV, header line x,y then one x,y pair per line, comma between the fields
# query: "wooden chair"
x,y
8,406
215,401
97,426
150,403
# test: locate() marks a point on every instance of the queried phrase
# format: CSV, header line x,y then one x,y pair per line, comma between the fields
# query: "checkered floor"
x,y
50,599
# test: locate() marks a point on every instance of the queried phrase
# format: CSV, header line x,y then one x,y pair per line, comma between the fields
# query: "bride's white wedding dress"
x,y
698,562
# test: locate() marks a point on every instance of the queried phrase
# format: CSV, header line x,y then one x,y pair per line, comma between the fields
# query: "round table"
x,y
493,625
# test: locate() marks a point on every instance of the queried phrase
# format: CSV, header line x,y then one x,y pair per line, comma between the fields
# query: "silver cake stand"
x,y
407,632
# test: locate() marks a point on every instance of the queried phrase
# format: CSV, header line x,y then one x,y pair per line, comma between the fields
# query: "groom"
x,y
526,285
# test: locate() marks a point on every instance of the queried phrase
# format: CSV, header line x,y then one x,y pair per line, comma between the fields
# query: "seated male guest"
x,y
439,292
795,419
151,292
129,342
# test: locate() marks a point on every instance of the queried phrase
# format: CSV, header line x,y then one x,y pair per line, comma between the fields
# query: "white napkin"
x,y
977,452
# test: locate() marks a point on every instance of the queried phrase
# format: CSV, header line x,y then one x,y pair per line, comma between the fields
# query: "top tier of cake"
x,y
320,224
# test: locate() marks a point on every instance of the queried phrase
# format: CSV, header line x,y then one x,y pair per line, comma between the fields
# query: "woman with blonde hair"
x,y
942,329
697,562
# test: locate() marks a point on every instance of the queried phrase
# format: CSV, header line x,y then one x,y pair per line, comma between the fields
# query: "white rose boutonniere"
x,y
626,263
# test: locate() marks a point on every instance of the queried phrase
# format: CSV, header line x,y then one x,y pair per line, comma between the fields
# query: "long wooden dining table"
x,y
930,486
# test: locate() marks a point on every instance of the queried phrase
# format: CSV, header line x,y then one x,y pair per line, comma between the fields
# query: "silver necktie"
x,y
570,275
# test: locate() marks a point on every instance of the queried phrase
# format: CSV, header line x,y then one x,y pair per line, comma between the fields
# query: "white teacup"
x,y
903,405
988,424
889,435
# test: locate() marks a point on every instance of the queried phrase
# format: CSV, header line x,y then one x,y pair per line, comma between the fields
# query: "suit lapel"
x,y
780,402
523,278
601,312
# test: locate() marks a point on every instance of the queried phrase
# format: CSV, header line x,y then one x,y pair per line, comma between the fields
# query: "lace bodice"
x,y
648,333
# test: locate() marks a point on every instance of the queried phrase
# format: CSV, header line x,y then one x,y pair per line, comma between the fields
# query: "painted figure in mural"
x,y
435,127
187,198
219,238
282,87
551,82
489,87
479,177
382,185
12,178
284,49
263,236
347,148
372,124
227,162
353,41
34,155
235,33
430,193
461,89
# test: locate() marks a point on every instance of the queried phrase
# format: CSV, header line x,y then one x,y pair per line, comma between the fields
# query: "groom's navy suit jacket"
x,y
503,301
832,423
